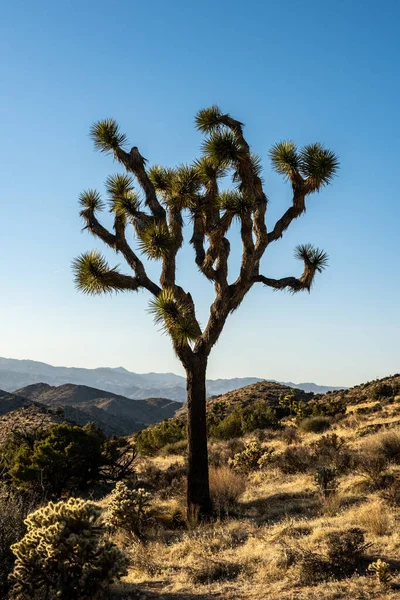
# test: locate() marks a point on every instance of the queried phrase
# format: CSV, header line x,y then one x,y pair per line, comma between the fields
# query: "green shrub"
x,y
315,424
127,508
149,441
64,555
227,428
381,390
68,458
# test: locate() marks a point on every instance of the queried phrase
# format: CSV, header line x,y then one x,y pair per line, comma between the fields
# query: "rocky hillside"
x,y
115,414
9,402
365,392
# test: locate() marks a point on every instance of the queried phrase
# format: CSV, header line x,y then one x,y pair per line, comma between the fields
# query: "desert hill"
x,y
80,404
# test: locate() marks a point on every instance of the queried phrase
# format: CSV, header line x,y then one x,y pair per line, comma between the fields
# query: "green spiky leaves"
x,y
94,276
313,258
174,318
161,178
107,136
124,201
284,158
319,165
314,163
155,240
90,201
223,148
208,119
234,203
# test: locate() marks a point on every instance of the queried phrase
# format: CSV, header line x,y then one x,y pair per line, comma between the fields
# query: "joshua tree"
x,y
193,192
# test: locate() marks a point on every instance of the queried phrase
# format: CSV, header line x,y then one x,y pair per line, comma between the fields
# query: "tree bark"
x,y
199,506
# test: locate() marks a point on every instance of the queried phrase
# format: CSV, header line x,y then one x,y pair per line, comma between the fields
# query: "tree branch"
x,y
298,208
135,163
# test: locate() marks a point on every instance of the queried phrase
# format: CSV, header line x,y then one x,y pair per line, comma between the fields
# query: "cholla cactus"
x,y
64,555
127,508
382,571
252,457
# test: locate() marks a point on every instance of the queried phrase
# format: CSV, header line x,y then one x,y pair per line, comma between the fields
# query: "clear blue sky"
x,y
307,71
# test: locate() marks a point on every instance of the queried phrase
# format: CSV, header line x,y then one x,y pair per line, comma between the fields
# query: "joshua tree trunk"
x,y
198,490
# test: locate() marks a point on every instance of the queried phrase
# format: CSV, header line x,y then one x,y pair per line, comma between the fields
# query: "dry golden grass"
x,y
252,556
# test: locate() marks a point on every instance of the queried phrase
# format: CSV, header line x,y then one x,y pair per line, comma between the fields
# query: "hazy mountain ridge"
x,y
16,374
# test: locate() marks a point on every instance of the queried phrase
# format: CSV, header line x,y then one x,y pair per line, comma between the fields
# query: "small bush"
x,y
64,554
331,450
127,508
373,466
295,459
326,481
388,445
166,482
226,487
289,435
346,550
381,390
149,441
315,424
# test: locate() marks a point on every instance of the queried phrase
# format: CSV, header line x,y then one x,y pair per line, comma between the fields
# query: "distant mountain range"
x,y
16,374
80,404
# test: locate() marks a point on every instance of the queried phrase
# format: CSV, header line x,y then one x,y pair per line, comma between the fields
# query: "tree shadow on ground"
x,y
279,506
153,590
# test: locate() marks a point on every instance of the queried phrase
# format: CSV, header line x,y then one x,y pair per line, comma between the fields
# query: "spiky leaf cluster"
x,y
315,163
64,554
92,274
184,187
174,318
124,201
90,201
161,178
235,203
314,258
155,240
318,164
284,158
107,136
208,119
223,148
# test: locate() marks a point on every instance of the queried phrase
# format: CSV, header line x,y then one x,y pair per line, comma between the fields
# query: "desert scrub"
x,y
226,487
375,517
127,508
295,459
315,424
13,511
64,554
325,480
252,457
